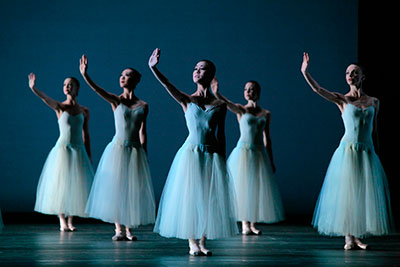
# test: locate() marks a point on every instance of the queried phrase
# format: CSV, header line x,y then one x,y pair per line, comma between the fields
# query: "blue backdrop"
x,y
247,40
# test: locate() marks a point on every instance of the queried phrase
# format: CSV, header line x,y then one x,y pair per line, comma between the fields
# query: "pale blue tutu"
x,y
355,198
67,174
198,199
122,190
257,193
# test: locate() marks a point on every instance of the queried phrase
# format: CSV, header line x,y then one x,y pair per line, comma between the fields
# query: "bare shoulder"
x,y
218,102
145,105
85,111
341,97
266,112
375,101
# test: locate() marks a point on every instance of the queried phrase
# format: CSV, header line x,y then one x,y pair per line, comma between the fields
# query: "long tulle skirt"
x,y
257,192
197,199
65,182
354,198
122,190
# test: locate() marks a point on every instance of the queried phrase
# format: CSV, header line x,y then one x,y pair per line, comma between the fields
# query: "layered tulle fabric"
x,y
354,198
257,192
198,198
65,182
122,190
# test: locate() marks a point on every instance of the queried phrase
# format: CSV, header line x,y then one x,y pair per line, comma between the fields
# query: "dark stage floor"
x,y
281,244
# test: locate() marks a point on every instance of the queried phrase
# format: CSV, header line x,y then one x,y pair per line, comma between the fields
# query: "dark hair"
x,y
75,80
257,87
213,69
136,75
362,67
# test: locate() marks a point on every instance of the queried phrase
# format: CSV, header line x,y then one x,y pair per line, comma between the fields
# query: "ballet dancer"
x,y
197,200
122,191
67,174
354,200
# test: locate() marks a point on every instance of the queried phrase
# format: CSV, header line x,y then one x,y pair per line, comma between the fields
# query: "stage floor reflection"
x,y
279,245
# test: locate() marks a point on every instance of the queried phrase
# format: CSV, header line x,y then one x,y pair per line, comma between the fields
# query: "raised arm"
x,y
109,97
180,97
336,98
53,104
267,140
233,107
143,129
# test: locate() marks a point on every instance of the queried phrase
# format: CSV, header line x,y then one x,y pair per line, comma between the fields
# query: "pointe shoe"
x,y
119,236
62,229
255,231
71,227
194,250
349,243
202,246
348,246
246,230
131,237
205,251
360,244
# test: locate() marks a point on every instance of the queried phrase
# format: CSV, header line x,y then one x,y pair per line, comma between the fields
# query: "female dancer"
x,y
67,175
354,199
122,191
197,202
252,169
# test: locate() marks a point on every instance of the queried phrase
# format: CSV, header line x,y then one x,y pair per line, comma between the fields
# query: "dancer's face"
x,y
202,73
250,92
354,75
70,87
126,80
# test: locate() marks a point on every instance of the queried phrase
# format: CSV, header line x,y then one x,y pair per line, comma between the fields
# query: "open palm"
x,y
83,64
154,58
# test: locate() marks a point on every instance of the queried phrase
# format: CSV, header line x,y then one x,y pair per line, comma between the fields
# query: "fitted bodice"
x,y
358,124
127,124
202,124
71,128
251,129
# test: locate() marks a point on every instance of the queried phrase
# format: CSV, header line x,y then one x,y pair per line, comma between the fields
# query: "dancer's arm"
x,y
375,129
220,134
233,107
85,132
109,97
53,104
143,128
180,97
333,97
267,140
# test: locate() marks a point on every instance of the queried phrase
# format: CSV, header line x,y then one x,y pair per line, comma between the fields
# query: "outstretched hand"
x,y
83,64
306,62
154,58
214,86
32,80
